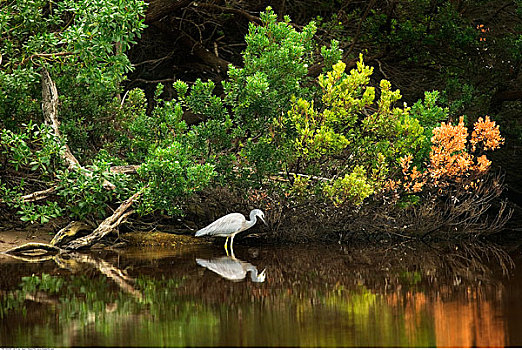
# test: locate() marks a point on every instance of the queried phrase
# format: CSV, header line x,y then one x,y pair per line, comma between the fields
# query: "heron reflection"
x,y
232,268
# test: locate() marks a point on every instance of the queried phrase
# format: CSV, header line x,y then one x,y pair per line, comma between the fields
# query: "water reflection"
x,y
232,269
408,296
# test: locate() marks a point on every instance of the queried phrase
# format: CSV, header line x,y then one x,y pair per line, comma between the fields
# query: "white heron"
x,y
232,269
230,225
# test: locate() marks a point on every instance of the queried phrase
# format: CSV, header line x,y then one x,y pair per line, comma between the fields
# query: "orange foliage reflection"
x,y
469,321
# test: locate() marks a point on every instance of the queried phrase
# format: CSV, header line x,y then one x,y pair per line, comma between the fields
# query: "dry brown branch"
x,y
106,227
237,11
160,8
50,111
124,169
43,194
158,81
38,195
33,249
155,61
219,64
359,25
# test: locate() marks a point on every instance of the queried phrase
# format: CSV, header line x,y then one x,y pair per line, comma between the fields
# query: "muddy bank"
x,y
14,238
510,239
160,239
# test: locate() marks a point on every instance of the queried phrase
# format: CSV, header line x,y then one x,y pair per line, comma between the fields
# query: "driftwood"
x,y
35,252
69,231
106,227
31,251
38,195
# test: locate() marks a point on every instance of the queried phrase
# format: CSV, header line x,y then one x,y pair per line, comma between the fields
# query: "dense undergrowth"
x,y
323,157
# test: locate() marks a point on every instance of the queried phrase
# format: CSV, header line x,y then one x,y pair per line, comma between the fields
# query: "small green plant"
x,y
41,213
170,174
85,192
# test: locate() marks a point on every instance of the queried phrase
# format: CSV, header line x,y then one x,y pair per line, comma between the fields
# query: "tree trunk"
x,y
50,112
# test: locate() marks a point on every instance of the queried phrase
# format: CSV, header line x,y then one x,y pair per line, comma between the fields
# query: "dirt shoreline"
x,y
13,238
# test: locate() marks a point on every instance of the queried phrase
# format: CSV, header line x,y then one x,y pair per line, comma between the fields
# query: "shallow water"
x,y
411,296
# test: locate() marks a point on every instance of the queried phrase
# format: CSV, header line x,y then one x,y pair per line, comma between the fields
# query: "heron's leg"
x,y
232,242
226,242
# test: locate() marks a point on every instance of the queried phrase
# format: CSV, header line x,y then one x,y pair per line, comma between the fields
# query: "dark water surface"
x,y
413,296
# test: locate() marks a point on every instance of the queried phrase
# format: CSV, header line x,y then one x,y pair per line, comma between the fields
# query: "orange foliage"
x,y
448,156
450,159
483,31
413,179
261,198
487,133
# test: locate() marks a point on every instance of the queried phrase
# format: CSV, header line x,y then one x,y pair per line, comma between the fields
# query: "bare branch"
x,y
50,111
124,169
106,227
38,195
44,55
160,8
240,12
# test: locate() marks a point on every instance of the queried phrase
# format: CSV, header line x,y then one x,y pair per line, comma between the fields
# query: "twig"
x,y
243,13
380,69
25,60
38,195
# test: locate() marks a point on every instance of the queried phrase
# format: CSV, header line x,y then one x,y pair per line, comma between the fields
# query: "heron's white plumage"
x,y
231,224
232,268
225,226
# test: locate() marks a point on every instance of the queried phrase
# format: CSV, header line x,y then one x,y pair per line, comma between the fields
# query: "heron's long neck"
x,y
253,273
252,221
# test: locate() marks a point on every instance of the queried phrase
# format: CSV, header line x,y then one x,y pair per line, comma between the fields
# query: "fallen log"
x,y
34,249
106,227
69,231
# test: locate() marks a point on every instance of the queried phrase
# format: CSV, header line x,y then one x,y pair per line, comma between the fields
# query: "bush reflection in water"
x,y
403,295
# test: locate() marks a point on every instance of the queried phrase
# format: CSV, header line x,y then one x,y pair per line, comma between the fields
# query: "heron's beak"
x,y
263,219
261,277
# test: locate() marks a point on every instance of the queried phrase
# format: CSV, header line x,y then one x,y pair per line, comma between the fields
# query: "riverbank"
x,y
43,234
511,236
13,238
